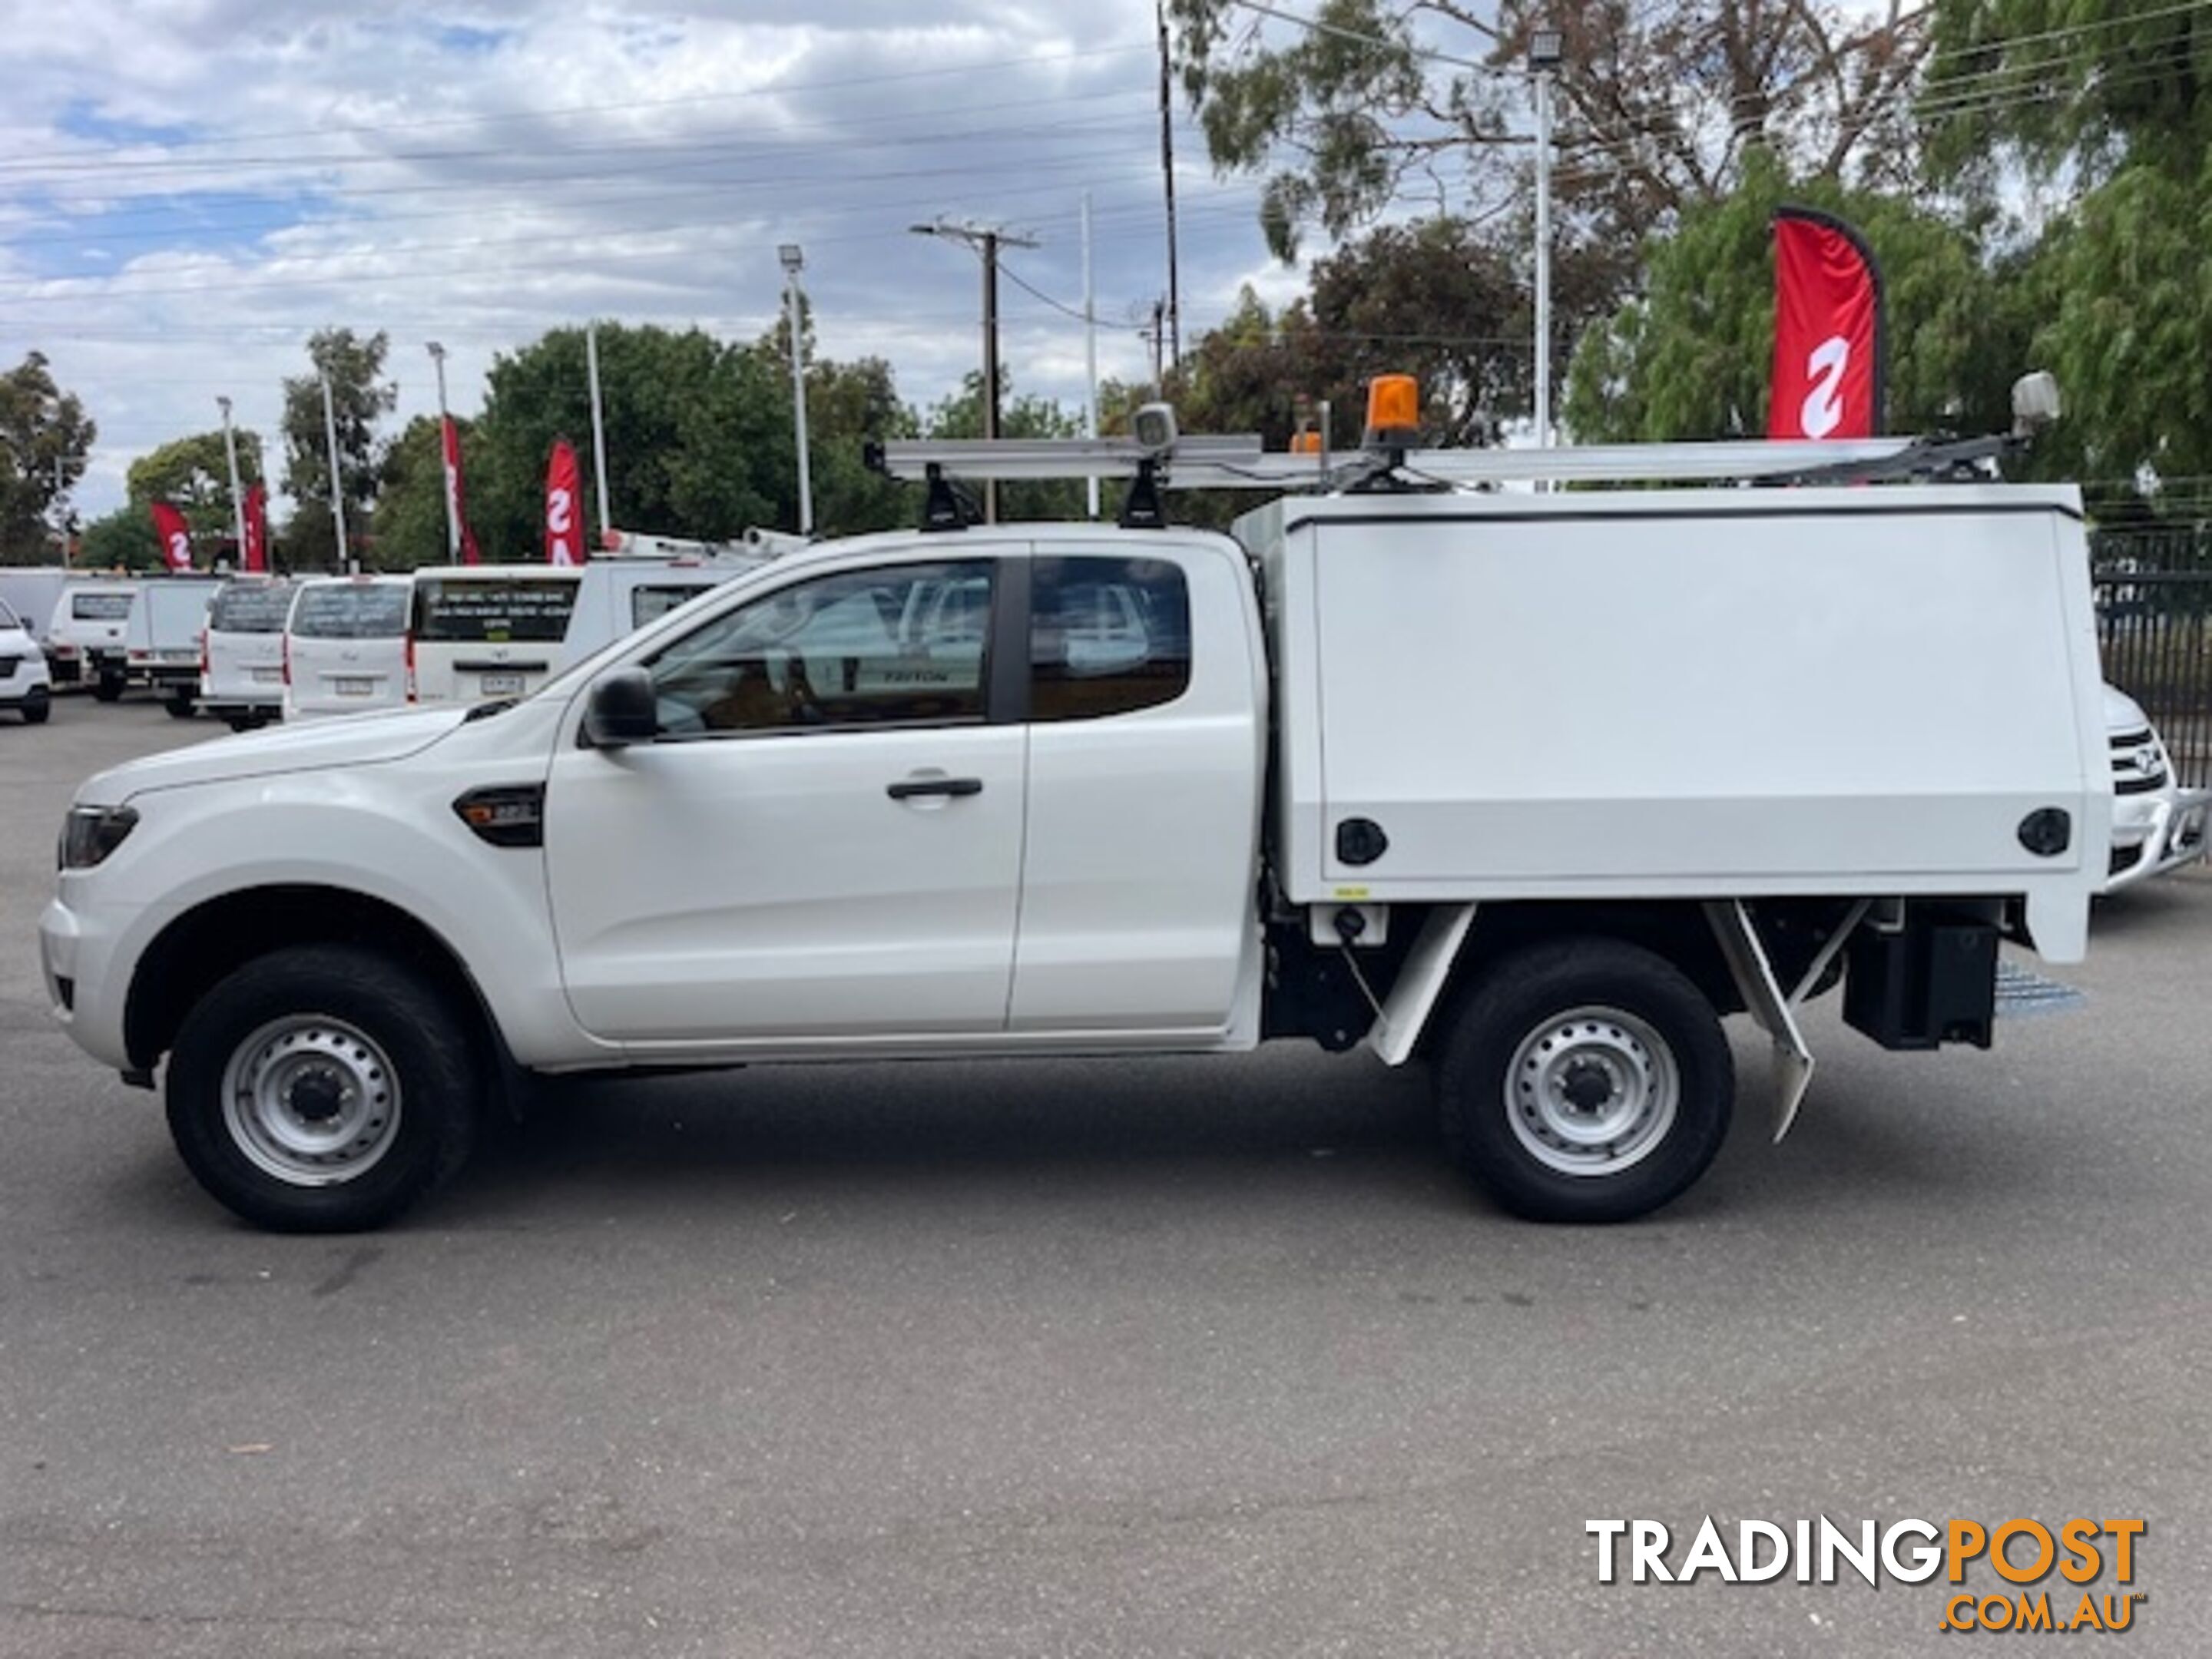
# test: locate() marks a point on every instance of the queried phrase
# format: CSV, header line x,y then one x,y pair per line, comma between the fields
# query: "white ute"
x,y
1536,788
2158,826
24,684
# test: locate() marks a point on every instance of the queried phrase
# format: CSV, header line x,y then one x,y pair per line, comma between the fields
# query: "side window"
x,y
1106,636
898,645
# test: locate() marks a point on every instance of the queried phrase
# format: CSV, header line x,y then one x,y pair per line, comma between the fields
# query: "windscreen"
x,y
351,611
250,608
100,607
8,619
493,611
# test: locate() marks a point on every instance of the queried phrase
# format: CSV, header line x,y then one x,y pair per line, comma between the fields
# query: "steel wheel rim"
x,y
1592,1091
311,1099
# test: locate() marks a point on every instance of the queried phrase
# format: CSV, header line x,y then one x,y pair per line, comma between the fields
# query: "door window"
x,y
900,645
1106,636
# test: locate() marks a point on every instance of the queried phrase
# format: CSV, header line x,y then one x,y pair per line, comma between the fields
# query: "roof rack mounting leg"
x,y
945,508
1141,508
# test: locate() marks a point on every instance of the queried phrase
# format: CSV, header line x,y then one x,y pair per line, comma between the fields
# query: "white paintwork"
x,y
161,638
2156,831
324,675
30,592
79,645
22,663
242,671
1587,707
1690,693
1144,830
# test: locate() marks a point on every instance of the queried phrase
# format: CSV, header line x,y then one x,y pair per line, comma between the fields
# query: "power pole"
x,y
1090,356
1545,52
599,428
986,240
1167,177
794,259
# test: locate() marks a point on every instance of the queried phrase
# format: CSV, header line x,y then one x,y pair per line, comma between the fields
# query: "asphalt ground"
x,y
1130,1357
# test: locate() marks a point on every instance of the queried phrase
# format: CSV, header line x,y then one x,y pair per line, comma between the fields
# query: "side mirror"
x,y
620,710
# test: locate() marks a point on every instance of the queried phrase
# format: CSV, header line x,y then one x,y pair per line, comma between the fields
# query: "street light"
x,y
1547,49
793,260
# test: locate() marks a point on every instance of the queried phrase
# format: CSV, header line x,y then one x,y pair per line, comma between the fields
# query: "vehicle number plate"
x,y
502,685
268,676
353,685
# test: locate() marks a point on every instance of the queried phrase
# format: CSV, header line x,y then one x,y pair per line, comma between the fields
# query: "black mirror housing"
x,y
620,710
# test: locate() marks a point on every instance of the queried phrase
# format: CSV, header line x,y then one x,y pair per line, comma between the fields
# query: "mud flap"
x,y
1763,997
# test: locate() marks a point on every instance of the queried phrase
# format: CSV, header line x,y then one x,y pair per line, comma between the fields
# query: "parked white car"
x,y
24,686
2157,825
346,647
161,638
31,591
242,652
84,639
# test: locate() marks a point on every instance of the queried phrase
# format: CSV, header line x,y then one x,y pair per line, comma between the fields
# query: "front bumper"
x,y
2153,835
78,957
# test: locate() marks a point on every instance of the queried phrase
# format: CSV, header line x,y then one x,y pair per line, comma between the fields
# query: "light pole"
x,y
445,465
598,430
794,259
1545,49
237,498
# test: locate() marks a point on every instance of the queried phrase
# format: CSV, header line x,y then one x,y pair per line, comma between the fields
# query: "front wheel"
x,y
1586,1080
322,1089
38,706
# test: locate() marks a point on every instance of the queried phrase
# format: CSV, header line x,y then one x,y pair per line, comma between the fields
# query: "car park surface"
x,y
1152,1356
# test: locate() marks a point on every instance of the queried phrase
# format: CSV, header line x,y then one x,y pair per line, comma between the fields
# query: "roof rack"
x,y
1159,457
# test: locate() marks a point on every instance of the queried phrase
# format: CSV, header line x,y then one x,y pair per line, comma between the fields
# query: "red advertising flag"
x,y
174,535
456,501
257,528
1828,330
564,490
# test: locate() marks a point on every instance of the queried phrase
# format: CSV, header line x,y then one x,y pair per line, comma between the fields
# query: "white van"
x,y
484,631
242,652
84,639
24,686
30,591
161,638
346,646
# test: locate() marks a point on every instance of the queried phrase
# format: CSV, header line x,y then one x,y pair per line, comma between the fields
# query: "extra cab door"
x,y
821,848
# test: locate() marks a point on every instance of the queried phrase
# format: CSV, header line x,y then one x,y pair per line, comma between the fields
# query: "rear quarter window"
x,y
1106,636
100,607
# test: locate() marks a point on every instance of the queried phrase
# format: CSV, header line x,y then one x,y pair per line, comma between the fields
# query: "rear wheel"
x,y
108,687
1585,1080
180,708
323,1089
37,707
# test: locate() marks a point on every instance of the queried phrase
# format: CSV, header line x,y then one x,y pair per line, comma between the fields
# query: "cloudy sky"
x,y
187,187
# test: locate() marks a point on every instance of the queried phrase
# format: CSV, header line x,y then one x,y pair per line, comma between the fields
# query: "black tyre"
x,y
37,707
107,688
180,708
323,1089
1585,1080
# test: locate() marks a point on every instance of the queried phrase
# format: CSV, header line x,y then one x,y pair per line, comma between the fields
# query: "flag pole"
x,y
237,500
445,465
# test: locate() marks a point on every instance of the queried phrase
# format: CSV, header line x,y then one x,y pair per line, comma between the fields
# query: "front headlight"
x,y
90,834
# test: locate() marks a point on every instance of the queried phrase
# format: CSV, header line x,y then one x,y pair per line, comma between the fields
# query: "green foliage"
x,y
1691,357
44,431
194,473
123,540
1025,415
360,397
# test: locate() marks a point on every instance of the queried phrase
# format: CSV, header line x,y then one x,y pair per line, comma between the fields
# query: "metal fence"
x,y
2154,623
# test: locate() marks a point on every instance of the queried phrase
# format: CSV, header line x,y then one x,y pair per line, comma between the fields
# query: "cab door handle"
x,y
908,788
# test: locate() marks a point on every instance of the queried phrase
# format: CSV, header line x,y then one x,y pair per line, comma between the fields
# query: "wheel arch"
x,y
200,948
